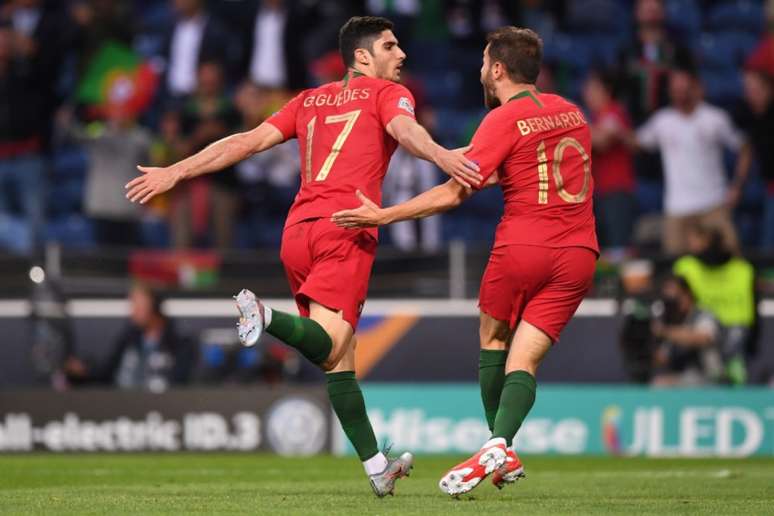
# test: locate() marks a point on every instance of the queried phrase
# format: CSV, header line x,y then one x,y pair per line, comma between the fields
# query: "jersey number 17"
x,y
350,118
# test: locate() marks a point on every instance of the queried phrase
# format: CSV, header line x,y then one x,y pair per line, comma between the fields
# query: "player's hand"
x,y
152,182
368,215
459,167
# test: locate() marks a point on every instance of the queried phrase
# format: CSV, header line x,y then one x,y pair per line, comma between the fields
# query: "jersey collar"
x,y
352,74
526,93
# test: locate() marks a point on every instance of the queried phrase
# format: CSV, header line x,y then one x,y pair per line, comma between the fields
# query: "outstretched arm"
x,y
415,139
439,199
216,156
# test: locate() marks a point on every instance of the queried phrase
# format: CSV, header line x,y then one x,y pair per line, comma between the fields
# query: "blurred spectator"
x,y
647,61
22,129
757,119
467,25
403,13
33,40
168,146
115,148
762,58
612,167
636,339
689,339
196,37
275,46
691,136
148,354
724,285
101,21
541,16
269,180
408,176
207,116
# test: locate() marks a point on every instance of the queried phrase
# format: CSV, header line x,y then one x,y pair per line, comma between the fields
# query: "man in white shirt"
x,y
195,37
267,62
184,47
691,136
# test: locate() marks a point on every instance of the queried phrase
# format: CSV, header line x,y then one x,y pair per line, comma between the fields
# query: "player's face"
x,y
487,82
388,57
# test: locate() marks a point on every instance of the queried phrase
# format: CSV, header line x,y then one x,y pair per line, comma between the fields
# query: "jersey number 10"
x,y
558,179
350,118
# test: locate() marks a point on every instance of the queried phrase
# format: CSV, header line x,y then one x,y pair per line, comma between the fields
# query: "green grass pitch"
x,y
262,484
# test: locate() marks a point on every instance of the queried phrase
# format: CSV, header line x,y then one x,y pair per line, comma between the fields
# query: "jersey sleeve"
x,y
285,118
395,100
492,143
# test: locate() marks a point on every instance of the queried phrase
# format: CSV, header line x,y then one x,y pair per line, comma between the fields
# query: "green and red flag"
x,y
116,75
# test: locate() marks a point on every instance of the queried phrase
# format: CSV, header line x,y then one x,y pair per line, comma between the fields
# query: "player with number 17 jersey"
x,y
344,147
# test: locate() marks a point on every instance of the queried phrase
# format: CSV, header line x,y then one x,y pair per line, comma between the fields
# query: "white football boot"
x,y
251,321
383,483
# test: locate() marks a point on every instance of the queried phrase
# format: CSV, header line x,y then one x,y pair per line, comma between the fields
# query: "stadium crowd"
x,y
92,87
678,94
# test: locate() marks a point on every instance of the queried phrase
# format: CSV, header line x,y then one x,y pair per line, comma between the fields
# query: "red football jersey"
x,y
541,147
343,143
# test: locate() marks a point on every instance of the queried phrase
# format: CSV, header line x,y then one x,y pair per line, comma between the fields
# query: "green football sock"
x,y
349,406
515,403
302,333
491,375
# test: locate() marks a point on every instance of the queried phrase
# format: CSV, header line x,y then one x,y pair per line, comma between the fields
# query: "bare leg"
x,y
528,347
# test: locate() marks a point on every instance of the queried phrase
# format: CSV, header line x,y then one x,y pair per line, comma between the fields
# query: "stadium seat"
x,y
574,52
74,231
649,196
741,15
154,233
65,196
604,49
70,161
684,17
724,49
248,358
454,127
606,16
722,86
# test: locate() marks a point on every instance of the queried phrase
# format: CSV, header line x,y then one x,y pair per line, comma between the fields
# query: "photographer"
x,y
149,353
689,339
724,285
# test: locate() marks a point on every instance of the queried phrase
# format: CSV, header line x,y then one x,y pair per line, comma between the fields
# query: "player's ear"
x,y
362,56
497,70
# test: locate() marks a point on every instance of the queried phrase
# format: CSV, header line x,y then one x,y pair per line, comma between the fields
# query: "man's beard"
x,y
383,72
490,99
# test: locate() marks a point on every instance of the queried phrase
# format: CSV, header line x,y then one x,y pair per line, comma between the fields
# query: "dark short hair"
x,y
360,32
608,79
680,282
519,50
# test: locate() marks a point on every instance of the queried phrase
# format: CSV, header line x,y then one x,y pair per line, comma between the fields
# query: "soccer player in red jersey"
x,y
347,131
538,147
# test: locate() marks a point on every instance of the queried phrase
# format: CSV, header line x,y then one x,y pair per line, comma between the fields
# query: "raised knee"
x,y
338,352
